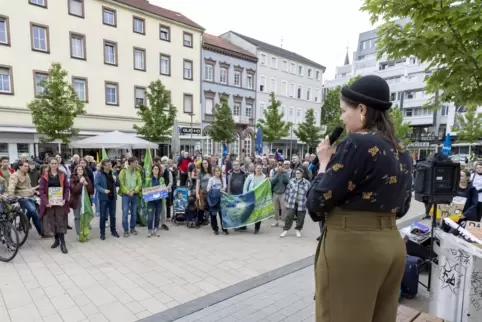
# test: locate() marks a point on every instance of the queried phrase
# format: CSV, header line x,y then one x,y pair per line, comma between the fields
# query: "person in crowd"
x,y
78,181
236,178
88,171
34,174
306,167
19,185
55,210
155,206
246,164
23,159
252,181
61,166
174,174
216,185
130,185
361,189
75,162
307,158
265,167
105,185
476,180
183,167
169,181
191,213
251,167
466,190
5,170
295,202
202,184
295,164
279,182
194,168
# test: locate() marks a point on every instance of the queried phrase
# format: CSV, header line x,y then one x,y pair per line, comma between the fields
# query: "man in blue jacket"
x,y
106,183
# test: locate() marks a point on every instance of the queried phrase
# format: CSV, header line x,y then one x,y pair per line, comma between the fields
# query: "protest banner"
x,y
248,208
154,193
56,196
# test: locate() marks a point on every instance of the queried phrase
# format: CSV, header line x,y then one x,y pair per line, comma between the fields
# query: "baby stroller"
x,y
180,203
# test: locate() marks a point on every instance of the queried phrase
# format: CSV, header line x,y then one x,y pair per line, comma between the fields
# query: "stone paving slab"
x,y
128,279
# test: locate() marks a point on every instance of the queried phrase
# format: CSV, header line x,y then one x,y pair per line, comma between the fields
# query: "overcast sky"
x,y
317,29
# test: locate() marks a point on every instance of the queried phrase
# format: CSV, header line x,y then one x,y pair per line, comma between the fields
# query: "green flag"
x,y
148,168
86,215
104,154
142,208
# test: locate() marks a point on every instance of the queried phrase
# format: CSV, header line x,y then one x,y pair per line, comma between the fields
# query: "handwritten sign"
x,y
154,193
56,196
475,228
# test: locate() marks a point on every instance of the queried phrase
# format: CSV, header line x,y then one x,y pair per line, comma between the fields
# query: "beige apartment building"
x,y
112,50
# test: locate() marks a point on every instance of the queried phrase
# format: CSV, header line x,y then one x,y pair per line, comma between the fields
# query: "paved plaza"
x,y
129,279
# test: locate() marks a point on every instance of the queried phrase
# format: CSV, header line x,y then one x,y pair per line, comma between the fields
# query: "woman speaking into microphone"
x,y
360,190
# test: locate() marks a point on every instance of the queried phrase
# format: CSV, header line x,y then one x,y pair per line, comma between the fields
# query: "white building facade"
x,y
112,50
295,80
407,87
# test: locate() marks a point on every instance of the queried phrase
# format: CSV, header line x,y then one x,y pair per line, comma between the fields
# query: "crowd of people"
x,y
204,176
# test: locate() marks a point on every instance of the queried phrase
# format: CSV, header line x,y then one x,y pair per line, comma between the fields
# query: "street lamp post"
x,y
291,141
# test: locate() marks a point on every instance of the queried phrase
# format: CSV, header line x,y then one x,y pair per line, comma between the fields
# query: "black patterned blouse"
x,y
366,174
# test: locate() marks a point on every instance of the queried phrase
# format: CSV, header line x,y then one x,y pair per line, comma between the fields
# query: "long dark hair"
x,y
210,168
378,121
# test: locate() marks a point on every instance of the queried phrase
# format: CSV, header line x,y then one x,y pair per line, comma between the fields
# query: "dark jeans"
x,y
32,213
290,214
154,214
107,206
184,177
129,203
215,211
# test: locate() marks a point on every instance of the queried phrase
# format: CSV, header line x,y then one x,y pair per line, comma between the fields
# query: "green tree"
x,y
446,34
272,124
55,108
159,116
223,128
469,125
330,111
308,131
401,128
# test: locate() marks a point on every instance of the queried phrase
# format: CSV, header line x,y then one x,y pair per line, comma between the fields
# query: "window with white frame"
x,y
209,72
237,78
109,17
263,59
76,8
293,68
140,96
6,80
274,62
248,144
262,106
310,73
187,69
41,3
300,70
40,38
139,59
234,146
80,88
208,146
223,76
110,53
165,33
111,94
209,105
273,85
77,43
292,90
249,81
317,117
284,88
291,114
188,102
308,94
139,25
165,65
262,84
237,109
299,93
317,95
298,116
4,32
39,78
249,110
284,65
318,75
187,39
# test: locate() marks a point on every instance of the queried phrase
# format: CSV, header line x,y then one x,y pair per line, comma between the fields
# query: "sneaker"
x,y
134,232
256,231
149,234
115,234
298,233
284,233
157,233
275,224
165,227
126,234
102,237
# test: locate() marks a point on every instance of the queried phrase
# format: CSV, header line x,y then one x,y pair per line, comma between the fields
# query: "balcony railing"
x,y
241,119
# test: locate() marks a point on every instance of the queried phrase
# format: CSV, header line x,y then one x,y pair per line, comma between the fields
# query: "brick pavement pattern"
x,y
287,299
128,279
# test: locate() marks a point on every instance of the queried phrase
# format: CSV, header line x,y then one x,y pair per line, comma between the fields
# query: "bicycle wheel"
x,y
8,241
21,223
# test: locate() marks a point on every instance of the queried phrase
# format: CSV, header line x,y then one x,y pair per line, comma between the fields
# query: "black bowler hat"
x,y
371,90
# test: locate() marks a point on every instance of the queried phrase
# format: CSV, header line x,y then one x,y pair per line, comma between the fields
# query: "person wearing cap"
x,y
361,188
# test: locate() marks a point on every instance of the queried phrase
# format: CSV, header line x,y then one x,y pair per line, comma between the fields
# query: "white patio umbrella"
x,y
114,140
175,140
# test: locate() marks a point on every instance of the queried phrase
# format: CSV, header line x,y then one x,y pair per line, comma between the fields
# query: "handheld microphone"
x,y
332,138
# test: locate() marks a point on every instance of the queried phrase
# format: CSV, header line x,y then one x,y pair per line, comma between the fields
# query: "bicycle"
x,y
8,237
19,219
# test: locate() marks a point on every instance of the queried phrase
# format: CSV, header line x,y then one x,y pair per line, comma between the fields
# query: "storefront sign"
x,y
418,145
187,131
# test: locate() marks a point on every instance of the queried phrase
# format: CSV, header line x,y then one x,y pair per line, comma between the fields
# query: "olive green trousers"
x,y
359,265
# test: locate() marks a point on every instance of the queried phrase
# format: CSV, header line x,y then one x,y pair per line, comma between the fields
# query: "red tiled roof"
x,y
144,5
224,44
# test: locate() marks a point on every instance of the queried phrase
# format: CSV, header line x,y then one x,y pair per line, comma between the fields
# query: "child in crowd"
x,y
180,203
191,213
